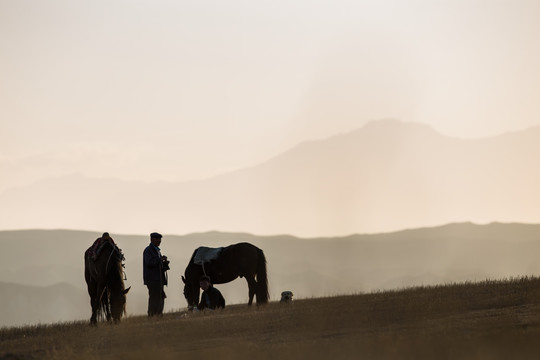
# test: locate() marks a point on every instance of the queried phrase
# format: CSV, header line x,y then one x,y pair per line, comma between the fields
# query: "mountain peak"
x,y
393,126
386,176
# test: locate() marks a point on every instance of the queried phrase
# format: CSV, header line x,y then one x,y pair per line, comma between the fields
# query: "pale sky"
x,y
181,90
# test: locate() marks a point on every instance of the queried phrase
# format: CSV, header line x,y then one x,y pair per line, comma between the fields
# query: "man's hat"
x,y
155,235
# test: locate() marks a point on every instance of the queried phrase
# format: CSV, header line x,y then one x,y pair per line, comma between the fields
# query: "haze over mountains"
x,y
386,176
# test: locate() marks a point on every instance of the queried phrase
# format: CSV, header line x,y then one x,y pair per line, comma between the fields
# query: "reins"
x,y
115,249
124,271
204,272
108,260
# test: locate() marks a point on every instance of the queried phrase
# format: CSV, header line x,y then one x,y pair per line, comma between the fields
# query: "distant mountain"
x,y
386,176
38,260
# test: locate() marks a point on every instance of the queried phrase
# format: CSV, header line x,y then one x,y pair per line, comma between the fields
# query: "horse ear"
x,y
183,279
126,291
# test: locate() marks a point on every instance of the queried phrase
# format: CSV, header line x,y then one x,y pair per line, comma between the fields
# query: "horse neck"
x,y
115,286
192,277
196,292
114,275
115,280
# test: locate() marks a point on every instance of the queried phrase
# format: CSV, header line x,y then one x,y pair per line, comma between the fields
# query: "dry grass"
x,y
487,320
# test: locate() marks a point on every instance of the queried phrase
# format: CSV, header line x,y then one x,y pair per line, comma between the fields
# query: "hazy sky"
x,y
180,90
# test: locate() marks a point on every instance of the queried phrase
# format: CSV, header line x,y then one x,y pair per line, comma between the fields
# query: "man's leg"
x,y
154,299
162,300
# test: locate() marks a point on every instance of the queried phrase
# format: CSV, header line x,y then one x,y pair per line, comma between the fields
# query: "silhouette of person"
x,y
211,297
155,268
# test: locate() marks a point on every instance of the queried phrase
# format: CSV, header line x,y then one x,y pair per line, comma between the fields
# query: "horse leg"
x,y
252,285
93,318
106,305
92,291
93,303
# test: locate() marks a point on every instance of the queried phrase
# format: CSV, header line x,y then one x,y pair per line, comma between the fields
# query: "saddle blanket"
x,y
205,254
93,251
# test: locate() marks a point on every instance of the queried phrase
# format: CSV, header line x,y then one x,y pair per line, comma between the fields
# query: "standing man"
x,y
155,266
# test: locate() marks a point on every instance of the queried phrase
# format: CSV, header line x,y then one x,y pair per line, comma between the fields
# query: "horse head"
x,y
118,304
191,293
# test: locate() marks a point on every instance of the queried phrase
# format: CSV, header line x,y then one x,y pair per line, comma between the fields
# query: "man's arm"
x,y
151,258
202,304
220,303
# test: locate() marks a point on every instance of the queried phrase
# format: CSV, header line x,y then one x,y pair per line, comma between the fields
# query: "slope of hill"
x,y
385,176
308,267
487,320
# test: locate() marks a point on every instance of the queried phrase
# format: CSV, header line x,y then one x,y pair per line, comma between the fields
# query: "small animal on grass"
x,y
286,297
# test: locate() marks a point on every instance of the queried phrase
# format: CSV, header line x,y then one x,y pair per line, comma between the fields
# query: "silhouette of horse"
x,y
238,260
105,281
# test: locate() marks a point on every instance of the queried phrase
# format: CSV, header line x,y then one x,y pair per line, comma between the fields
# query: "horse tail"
x,y
262,279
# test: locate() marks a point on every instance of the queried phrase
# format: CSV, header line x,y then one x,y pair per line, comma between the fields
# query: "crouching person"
x,y
211,297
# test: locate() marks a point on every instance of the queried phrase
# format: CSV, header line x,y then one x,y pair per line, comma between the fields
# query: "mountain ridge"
x,y
465,224
375,124
384,177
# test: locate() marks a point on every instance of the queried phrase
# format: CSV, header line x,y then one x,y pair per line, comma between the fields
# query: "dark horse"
x,y
238,260
105,281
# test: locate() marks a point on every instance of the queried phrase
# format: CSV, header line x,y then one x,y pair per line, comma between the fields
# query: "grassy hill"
x,y
484,320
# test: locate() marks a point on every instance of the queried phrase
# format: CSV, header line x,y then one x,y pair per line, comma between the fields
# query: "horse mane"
x,y
193,256
191,262
102,309
114,274
115,270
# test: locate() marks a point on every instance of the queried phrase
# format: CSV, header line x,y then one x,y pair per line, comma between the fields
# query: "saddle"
x,y
205,255
93,251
